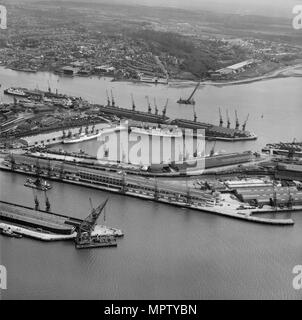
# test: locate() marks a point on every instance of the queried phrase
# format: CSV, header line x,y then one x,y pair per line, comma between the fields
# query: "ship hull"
x,y
78,140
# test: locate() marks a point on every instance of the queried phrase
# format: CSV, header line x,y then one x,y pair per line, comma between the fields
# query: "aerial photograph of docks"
x,y
150,151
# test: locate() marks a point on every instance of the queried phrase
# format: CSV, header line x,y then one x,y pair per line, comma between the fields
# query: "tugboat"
x,y
38,184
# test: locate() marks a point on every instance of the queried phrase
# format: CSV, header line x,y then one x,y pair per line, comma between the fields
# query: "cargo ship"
x,y
74,164
227,159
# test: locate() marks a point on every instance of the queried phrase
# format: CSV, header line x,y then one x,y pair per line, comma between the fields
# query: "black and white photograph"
x,y
150,151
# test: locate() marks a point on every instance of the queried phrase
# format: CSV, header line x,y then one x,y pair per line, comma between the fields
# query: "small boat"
x,y
9,233
38,184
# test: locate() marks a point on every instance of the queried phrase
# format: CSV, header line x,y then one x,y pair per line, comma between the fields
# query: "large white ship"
x,y
166,132
81,137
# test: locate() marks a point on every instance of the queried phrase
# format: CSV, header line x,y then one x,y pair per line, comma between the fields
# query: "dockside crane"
x,y
165,108
47,202
292,148
112,99
133,103
228,119
155,105
149,105
87,226
212,152
245,122
37,204
220,118
49,88
190,100
195,115
237,121
108,100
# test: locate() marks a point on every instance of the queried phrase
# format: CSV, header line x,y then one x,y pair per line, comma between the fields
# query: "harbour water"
x,y
167,252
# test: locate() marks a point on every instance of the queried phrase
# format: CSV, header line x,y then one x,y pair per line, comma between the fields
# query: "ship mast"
x,y
237,121
245,122
155,105
195,115
149,105
212,152
112,99
165,108
108,100
47,203
220,118
228,119
133,103
37,204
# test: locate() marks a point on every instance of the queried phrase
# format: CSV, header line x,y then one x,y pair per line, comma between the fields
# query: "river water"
x,y
167,252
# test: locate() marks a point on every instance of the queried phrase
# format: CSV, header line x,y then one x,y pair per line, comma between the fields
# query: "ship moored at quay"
x,y
205,201
212,132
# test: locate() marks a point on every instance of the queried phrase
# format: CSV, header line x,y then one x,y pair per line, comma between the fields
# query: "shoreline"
x,y
293,71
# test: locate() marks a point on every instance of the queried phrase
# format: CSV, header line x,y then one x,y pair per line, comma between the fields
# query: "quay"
x,y
148,189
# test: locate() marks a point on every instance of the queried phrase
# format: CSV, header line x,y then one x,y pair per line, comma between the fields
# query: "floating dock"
x,y
46,226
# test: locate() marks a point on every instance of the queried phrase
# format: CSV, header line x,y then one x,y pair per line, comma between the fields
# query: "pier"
x,y
147,189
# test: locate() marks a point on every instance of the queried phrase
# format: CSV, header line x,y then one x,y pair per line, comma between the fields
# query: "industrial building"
x,y
233,69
